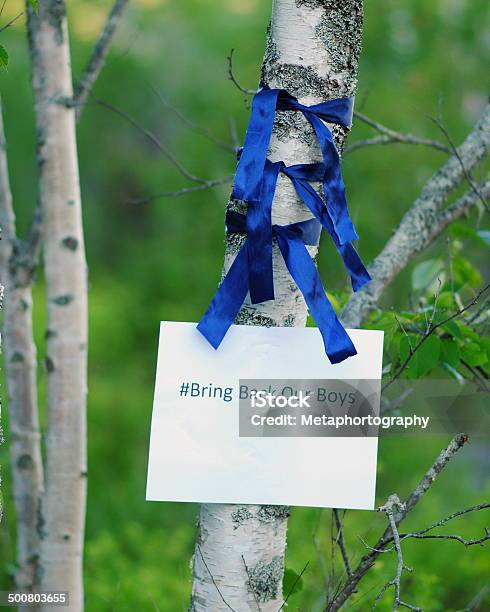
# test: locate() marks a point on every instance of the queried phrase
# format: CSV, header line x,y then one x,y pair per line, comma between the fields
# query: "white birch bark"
x,y
20,373
62,514
312,51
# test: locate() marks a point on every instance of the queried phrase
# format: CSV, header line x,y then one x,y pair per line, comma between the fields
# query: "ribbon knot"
x,y
292,240
259,230
248,177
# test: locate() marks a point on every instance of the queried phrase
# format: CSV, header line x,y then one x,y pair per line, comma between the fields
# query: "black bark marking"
x,y
70,243
271,514
17,357
56,14
40,523
264,579
49,365
63,300
24,462
240,516
50,333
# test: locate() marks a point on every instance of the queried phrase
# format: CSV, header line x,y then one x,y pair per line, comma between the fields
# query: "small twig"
x,y
341,542
11,22
185,190
251,585
319,552
99,54
389,136
389,509
434,307
193,126
152,138
214,581
430,330
413,499
231,76
291,590
455,151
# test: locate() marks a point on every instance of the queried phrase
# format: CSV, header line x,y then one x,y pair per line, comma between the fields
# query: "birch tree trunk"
x,y
312,51
62,514
20,370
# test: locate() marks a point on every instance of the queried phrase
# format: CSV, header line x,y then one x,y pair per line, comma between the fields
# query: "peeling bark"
x,y
62,514
20,370
312,51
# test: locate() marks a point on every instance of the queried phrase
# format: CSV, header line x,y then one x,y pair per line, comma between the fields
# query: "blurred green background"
x,y
163,261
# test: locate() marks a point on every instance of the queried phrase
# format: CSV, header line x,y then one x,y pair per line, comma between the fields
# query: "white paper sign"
x,y
196,454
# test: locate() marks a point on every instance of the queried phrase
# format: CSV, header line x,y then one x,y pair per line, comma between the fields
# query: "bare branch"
x,y
389,508
413,499
153,139
231,76
431,328
455,151
341,542
185,190
419,226
193,126
99,54
11,22
461,207
451,517
389,136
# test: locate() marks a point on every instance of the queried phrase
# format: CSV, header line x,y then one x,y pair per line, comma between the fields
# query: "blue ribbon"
x,y
248,177
292,240
259,229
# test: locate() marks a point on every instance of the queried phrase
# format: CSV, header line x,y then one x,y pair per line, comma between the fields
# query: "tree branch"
x,y
185,190
389,136
420,226
389,509
413,499
232,78
153,139
98,57
341,542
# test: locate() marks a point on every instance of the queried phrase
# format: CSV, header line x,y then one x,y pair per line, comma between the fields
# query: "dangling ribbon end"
x,y
214,342
342,355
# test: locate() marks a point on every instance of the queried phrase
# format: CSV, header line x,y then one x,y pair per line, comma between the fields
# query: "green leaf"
x,y
34,4
426,357
425,273
450,353
461,230
474,354
293,581
4,57
465,272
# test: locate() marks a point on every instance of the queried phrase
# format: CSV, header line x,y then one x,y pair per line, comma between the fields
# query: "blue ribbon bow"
x,y
255,182
292,240
259,228
248,177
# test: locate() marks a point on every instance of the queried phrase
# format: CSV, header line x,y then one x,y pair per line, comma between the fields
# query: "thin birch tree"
x,y
51,511
312,51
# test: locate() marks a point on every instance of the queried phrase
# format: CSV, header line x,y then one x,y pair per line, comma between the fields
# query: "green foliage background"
x,y
163,261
